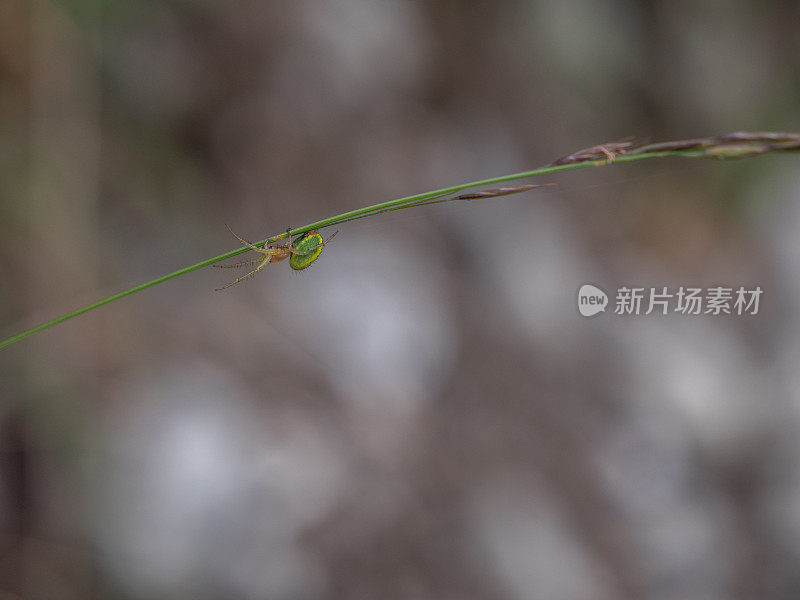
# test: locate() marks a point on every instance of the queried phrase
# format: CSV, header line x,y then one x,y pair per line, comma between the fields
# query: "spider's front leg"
x,y
289,237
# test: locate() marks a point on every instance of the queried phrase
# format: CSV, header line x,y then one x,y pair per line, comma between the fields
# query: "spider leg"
x,y
245,242
263,262
239,264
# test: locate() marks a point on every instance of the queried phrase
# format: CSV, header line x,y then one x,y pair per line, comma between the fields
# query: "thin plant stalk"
x,y
734,145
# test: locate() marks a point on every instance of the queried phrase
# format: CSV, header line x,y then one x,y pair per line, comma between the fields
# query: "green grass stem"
x,y
735,145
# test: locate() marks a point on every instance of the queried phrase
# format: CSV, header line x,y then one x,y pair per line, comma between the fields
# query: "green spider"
x,y
300,254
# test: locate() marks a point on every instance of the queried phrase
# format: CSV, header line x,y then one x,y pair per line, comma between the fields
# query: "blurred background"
x,y
423,414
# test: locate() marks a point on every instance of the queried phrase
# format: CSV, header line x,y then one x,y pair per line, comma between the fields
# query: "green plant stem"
x,y
721,147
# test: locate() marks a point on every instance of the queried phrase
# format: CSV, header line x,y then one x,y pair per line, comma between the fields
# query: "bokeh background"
x,y
422,414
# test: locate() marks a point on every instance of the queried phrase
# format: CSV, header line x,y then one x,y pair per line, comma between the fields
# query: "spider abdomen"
x,y
307,250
